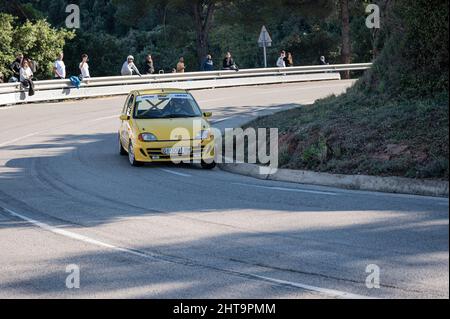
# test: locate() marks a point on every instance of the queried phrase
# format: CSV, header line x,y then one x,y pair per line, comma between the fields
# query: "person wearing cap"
x,y
129,67
323,61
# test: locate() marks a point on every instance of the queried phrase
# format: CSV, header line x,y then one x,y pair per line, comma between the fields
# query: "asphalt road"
x,y
165,231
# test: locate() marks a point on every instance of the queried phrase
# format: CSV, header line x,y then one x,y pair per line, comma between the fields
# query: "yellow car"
x,y
165,125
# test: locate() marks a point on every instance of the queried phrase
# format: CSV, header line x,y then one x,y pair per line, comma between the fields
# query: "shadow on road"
x,y
79,182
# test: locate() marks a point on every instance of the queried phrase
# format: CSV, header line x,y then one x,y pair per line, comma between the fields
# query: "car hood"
x,y
164,128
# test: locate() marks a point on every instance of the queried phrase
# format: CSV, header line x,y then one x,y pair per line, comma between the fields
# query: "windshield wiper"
x,y
173,116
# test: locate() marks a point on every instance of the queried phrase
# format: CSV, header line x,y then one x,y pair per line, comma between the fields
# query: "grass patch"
x,y
357,134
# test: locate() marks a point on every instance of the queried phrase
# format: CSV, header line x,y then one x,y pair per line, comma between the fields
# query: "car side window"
x,y
130,105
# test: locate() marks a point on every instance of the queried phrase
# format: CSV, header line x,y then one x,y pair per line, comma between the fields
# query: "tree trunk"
x,y
346,46
203,16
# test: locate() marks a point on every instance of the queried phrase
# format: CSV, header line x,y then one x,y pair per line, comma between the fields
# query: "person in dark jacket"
x,y
208,63
289,60
323,61
15,68
149,67
228,63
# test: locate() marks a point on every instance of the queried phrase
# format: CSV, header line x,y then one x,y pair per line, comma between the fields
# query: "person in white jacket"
x,y
281,60
129,67
26,76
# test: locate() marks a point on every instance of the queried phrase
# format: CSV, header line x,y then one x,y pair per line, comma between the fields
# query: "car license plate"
x,y
177,151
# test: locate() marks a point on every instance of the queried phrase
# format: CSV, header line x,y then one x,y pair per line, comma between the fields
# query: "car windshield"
x,y
160,106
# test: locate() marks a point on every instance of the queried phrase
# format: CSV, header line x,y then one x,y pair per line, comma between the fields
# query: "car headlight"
x,y
147,137
203,135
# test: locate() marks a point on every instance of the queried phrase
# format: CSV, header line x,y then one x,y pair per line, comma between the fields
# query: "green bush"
x,y
37,40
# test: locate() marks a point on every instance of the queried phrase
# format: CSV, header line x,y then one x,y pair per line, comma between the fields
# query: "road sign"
x,y
264,38
264,41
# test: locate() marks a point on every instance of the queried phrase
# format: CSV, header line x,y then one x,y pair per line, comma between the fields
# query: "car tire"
x,y
206,165
122,151
131,157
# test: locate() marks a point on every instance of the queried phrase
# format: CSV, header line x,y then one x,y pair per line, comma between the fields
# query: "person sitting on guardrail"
x,y
208,63
228,63
289,60
149,68
15,68
84,67
129,67
26,76
59,68
280,61
181,67
323,61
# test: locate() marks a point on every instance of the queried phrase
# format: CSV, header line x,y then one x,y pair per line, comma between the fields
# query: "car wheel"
x,y
131,157
208,165
121,149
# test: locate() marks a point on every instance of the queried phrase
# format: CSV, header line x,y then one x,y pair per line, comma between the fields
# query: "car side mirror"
x,y
124,117
207,114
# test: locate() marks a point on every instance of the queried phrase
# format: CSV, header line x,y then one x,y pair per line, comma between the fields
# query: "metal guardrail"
x,y
14,93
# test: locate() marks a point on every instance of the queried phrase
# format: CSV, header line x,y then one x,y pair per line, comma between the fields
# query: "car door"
x,y
122,123
126,124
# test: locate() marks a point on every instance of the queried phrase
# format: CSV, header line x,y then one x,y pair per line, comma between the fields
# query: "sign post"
x,y
264,41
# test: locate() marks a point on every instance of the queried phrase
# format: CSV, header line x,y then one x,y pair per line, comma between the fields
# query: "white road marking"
x,y
255,112
45,131
285,189
20,138
174,172
75,236
330,292
221,120
105,118
85,239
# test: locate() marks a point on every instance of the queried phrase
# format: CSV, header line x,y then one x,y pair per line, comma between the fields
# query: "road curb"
x,y
357,182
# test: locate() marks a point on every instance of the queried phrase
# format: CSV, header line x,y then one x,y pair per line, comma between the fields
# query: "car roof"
x,y
157,91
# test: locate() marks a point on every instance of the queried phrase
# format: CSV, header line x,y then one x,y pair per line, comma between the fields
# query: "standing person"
x,y
228,63
26,76
129,67
59,68
84,67
15,68
281,62
181,66
208,63
149,67
289,60
2,78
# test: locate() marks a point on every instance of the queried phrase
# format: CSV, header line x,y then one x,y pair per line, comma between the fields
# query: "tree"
x,y
200,14
6,39
346,42
414,61
36,40
203,17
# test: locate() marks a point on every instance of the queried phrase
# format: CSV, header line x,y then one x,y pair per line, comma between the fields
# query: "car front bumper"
x,y
153,151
